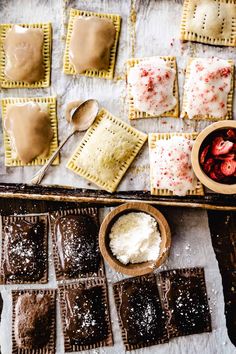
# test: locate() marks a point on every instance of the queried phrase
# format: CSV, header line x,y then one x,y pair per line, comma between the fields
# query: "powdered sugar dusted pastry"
x,y
151,83
171,169
207,87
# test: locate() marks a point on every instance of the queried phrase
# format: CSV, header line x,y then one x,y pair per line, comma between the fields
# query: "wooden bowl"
x,y
137,268
207,181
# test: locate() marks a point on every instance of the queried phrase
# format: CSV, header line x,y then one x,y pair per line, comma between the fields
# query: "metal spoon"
x,y
82,117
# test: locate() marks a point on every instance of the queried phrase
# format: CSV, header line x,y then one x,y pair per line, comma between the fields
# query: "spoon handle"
x,y
41,173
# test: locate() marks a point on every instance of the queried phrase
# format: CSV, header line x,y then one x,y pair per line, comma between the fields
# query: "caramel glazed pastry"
x,y
24,54
30,131
94,52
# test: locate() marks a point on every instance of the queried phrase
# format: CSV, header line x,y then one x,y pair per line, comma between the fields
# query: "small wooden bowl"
x,y
137,268
207,181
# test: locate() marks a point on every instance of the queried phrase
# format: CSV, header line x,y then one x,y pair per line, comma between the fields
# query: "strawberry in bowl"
x,y
217,156
213,157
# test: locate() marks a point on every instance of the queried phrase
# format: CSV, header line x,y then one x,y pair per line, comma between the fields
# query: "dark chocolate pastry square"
x,y
1,307
24,257
140,312
86,317
185,291
34,321
77,244
75,239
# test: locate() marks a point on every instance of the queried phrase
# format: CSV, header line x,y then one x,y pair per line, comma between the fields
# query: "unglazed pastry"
x,y
152,84
209,21
91,42
30,131
106,151
207,88
171,165
24,54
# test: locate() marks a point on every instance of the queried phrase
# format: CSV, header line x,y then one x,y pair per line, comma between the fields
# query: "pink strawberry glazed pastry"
x,y
151,84
207,87
171,165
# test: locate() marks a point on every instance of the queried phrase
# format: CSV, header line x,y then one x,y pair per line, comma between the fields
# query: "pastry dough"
x,y
209,21
152,140
50,103
136,114
68,68
229,97
106,151
45,82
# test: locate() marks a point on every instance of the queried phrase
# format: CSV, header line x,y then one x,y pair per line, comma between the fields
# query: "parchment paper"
x,y
157,31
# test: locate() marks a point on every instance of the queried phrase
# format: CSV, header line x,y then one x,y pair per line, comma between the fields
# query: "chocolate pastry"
x,y
1,307
140,312
32,327
86,316
186,294
77,245
24,250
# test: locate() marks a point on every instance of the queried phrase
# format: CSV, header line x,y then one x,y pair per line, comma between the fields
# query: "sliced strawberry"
x,y
213,175
221,147
228,167
218,172
208,165
204,153
226,157
231,133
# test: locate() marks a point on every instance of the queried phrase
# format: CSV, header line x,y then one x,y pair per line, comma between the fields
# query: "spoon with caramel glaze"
x,y
82,117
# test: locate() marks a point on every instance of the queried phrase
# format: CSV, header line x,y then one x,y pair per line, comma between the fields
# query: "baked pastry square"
x,y
50,104
154,139
85,315
24,258
209,21
75,243
34,333
47,39
134,113
68,68
186,301
106,151
142,319
208,89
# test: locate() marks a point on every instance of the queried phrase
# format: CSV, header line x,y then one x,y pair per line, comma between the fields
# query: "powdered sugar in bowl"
x,y
135,238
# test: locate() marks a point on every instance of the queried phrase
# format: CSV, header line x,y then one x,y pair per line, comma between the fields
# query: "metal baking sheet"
x,y
149,28
191,246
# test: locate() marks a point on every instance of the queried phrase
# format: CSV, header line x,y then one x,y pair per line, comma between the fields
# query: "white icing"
x,y
151,85
171,165
135,238
207,87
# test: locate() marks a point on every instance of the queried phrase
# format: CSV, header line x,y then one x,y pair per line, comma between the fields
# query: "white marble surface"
x,y
157,30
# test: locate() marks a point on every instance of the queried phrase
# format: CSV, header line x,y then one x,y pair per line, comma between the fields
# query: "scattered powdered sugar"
x,y
135,238
172,169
